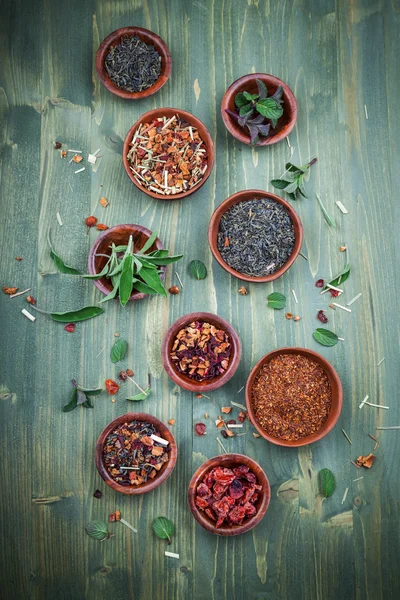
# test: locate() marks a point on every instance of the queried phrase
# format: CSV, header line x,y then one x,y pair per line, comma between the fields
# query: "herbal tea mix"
x,y
133,65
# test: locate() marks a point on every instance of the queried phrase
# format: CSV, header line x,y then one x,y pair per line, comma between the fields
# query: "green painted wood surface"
x,y
337,57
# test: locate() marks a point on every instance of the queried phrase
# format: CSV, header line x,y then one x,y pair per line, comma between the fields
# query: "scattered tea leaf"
x,y
325,337
326,482
163,528
74,316
140,396
97,530
276,300
119,350
198,269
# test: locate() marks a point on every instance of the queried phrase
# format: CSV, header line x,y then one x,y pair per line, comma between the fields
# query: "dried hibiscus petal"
x,y
321,316
209,479
219,490
240,471
237,514
236,489
200,428
319,283
70,327
112,386
224,476
334,293
210,514
250,509
201,503
203,491
250,477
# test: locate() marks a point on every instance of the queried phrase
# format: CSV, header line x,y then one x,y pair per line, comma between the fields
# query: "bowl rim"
x,y
231,457
151,38
164,472
242,196
236,131
190,118
191,384
91,258
337,400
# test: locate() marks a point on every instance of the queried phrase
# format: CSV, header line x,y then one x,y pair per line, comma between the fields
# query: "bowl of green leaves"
x,y
259,109
128,262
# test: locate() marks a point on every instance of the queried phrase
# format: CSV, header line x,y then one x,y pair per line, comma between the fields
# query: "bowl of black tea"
x,y
133,63
255,235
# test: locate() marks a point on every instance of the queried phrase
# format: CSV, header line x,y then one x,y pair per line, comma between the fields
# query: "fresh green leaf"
x,y
279,184
270,109
302,189
163,528
94,392
325,337
152,279
198,269
262,90
157,254
292,196
81,397
246,110
97,530
114,292
240,100
292,187
88,403
331,222
149,243
126,283
140,396
143,288
161,261
276,300
119,350
74,316
250,97
73,403
341,278
61,266
102,273
326,483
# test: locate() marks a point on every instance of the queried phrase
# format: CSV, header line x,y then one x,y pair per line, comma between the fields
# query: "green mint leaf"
x,y
262,90
331,222
279,184
118,350
247,109
276,300
74,316
325,337
292,196
270,109
341,278
250,97
163,528
198,269
81,397
140,396
97,530
88,403
240,100
292,187
302,189
73,403
61,266
326,483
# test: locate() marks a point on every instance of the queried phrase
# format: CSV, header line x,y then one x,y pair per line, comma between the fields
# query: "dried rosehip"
x,y
129,373
321,316
10,290
112,386
174,290
101,227
31,300
70,327
57,145
200,428
319,283
90,221
334,293
210,514
97,494
219,490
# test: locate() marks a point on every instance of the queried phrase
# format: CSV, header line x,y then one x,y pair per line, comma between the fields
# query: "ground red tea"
x,y
291,397
201,351
131,456
228,495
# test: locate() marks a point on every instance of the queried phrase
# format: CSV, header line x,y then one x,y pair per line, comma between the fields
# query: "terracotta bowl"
x,y
248,84
209,384
249,195
229,461
120,236
337,396
165,470
170,112
149,38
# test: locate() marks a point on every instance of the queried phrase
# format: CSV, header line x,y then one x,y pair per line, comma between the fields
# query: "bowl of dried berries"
x,y
294,397
259,109
255,235
229,494
135,453
168,154
201,352
133,63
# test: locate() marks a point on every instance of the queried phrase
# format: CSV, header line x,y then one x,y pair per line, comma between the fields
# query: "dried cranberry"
x,y
334,293
70,327
203,491
250,509
321,316
223,433
250,477
236,490
248,494
320,283
57,145
122,376
223,506
97,494
231,422
200,428
201,502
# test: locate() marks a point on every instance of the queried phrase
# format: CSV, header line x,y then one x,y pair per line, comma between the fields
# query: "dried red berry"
x,y
200,428
97,494
334,293
242,416
319,283
57,145
122,376
31,300
321,316
112,386
129,373
223,433
101,227
111,518
91,221
224,476
231,422
201,502
219,491
236,489
70,327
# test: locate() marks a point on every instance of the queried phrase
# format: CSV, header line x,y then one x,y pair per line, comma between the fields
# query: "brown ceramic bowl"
x,y
170,112
209,384
229,461
248,84
165,470
337,396
248,195
120,236
149,38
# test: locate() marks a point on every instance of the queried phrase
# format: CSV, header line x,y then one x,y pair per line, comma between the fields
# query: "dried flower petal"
x,y
31,300
10,290
334,293
97,494
242,416
226,409
321,316
57,146
320,283
129,372
122,376
70,327
18,258
256,435
200,428
101,227
77,158
90,221
112,386
172,421
365,461
289,316
296,318
199,395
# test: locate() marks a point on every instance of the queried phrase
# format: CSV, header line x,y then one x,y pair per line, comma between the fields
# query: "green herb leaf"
x,y
161,261
149,243
88,403
73,403
97,530
140,396
325,337
292,187
326,482
94,392
198,269
163,528
279,184
152,279
341,278
270,109
276,300
262,90
330,220
118,350
114,292
247,109
61,266
74,316
143,288
81,397
126,283
102,273
240,100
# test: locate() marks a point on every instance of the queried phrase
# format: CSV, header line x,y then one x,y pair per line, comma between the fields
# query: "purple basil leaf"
x,y
258,119
262,90
81,398
253,129
278,94
264,129
232,114
74,383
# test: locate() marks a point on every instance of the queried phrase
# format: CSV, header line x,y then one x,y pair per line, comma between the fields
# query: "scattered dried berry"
x,y
242,416
57,145
90,221
289,316
117,515
224,433
334,293
31,300
112,386
97,494
18,258
10,290
199,395
296,319
63,153
129,373
321,316
101,227
172,421
320,283
243,291
111,517
122,376
231,422
200,428
174,290
103,202
226,409
70,327
77,158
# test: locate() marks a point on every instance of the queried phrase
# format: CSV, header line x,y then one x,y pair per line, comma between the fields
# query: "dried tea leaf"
x,y
325,337
163,528
276,301
119,350
326,482
198,269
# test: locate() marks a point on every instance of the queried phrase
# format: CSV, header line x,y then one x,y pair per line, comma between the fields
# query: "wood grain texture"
x,y
337,56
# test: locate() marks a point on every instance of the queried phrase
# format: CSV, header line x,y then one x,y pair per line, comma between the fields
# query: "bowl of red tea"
x,y
229,494
294,397
201,352
255,236
135,453
168,154
133,63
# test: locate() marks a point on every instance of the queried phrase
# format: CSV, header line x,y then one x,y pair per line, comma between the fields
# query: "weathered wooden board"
x,y
338,57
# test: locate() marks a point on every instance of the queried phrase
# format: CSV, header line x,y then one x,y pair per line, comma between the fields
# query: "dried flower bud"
x,y
101,227
57,145
226,242
91,221
243,291
129,373
117,515
289,315
174,290
31,300
64,153
296,319
10,290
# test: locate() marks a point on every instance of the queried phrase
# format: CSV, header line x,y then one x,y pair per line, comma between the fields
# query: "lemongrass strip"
x,y
137,385
242,388
168,122
380,362
20,293
239,434
171,554
354,299
179,279
342,207
358,479
128,525
239,405
59,219
287,141
346,491
131,468
393,427
154,189
97,151
76,151
332,287
234,425
295,297
159,440
366,111
222,446
377,405
28,315
80,170
166,178
191,132
363,402
341,339
342,307
346,436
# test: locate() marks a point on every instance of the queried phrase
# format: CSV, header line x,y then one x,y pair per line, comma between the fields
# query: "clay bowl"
x,y
337,397
209,384
192,120
149,38
248,84
120,236
240,197
165,470
229,461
